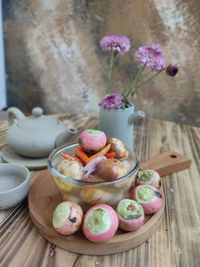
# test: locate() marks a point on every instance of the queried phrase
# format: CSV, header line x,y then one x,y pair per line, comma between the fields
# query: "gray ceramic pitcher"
x,y
119,123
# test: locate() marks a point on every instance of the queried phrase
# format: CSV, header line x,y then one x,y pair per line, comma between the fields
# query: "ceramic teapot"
x,y
35,136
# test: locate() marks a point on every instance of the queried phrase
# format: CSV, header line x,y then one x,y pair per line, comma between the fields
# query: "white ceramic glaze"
x,y
119,123
14,184
8,155
37,135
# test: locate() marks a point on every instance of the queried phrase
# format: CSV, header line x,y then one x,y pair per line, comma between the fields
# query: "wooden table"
x,y
175,243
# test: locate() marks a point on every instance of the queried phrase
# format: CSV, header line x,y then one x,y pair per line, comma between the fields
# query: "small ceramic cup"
x,y
14,184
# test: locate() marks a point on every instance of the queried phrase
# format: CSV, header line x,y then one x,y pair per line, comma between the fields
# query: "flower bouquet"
x,y
117,114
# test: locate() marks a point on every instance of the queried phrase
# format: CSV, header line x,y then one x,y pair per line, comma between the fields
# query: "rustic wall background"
x,y
53,58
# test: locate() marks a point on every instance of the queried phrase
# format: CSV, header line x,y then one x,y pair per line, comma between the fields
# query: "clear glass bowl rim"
x,y
60,149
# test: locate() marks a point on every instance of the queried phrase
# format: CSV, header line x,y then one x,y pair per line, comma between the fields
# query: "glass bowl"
x,y
91,193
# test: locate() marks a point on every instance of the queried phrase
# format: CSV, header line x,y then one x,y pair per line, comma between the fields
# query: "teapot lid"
x,y
37,122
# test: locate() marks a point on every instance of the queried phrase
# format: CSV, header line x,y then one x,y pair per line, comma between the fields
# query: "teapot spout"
x,y
136,116
64,137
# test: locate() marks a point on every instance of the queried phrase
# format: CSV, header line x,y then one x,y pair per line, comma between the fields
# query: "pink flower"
x,y
115,43
112,101
152,56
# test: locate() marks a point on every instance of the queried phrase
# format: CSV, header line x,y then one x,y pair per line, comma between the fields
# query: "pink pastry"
x,y
130,214
92,140
100,223
67,218
149,197
148,177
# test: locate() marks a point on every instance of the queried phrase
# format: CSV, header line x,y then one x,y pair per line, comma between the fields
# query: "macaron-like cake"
x,y
149,197
67,217
130,214
92,140
100,223
148,177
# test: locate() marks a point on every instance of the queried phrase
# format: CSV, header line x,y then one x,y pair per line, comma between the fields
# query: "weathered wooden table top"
x,y
175,243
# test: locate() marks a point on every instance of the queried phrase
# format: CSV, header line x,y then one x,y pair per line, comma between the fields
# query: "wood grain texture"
x,y
175,243
167,162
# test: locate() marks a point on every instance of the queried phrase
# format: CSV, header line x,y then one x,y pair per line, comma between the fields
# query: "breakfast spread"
x,y
99,178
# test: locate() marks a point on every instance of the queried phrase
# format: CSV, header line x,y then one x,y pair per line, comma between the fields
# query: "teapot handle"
x,y
14,114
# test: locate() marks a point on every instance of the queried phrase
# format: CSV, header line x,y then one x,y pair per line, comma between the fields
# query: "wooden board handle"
x,y
167,162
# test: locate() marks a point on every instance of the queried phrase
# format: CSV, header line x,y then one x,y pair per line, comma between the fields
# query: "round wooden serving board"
x,y
44,197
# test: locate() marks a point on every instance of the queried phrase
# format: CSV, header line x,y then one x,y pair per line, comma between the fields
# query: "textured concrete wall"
x,y
53,58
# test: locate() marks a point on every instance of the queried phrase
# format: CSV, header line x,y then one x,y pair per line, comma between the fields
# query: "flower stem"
x,y
133,86
150,78
110,68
